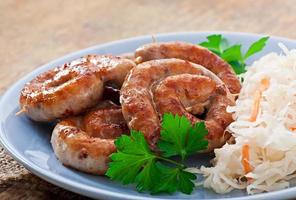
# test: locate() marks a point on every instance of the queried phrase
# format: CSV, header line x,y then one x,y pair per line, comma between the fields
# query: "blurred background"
x,y
34,32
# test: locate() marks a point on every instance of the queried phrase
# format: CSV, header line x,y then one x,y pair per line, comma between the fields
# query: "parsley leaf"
x,y
256,47
174,179
135,163
214,43
147,178
173,135
233,54
132,154
177,136
169,182
196,138
238,67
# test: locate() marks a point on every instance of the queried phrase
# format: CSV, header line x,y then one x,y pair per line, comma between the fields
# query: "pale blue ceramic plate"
x,y
28,142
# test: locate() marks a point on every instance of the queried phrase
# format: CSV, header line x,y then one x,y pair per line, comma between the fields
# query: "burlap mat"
x,y
18,183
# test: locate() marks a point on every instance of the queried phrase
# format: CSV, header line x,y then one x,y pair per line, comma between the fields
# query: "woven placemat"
x,y
16,182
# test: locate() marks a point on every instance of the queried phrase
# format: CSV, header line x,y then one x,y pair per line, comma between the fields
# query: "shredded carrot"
x,y
264,84
256,105
246,158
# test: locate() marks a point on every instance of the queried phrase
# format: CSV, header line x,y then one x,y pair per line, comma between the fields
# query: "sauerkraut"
x,y
265,123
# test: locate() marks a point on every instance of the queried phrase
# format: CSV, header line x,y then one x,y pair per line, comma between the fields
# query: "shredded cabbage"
x,y
271,137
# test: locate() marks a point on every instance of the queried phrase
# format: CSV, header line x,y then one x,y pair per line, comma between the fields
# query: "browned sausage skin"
x,y
192,53
71,88
85,142
192,95
151,89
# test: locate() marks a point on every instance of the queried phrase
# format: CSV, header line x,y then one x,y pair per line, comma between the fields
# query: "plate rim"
x,y
92,191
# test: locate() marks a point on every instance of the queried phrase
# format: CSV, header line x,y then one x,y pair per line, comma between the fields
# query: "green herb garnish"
x,y
233,53
134,162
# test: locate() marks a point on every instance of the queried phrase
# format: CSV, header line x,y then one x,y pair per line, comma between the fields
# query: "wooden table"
x,y
35,32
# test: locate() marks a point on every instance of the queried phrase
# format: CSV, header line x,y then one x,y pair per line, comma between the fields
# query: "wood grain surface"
x,y
33,32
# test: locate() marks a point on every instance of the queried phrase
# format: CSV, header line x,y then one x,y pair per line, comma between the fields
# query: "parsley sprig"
x,y
135,163
233,53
